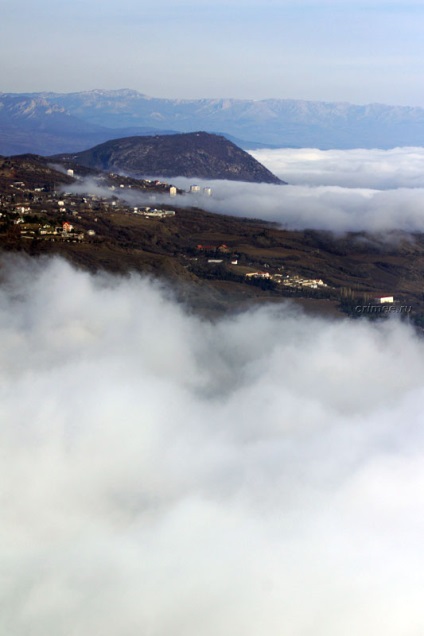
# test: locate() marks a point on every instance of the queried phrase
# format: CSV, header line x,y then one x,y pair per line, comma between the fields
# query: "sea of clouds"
x,y
337,190
164,475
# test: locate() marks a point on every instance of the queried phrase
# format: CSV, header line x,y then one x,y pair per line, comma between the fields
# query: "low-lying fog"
x,y
161,475
357,168
336,190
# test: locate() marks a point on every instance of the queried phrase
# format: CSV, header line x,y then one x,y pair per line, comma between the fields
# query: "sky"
x,y
161,474
343,50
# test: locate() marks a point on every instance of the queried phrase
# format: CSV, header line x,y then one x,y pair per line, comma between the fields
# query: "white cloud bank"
x,y
337,190
358,168
162,475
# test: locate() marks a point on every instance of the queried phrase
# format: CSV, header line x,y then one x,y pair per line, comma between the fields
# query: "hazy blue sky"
x,y
311,49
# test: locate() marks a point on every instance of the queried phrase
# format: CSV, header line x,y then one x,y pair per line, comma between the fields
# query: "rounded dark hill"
x,y
200,154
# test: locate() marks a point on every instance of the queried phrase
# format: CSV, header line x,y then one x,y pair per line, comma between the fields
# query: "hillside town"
x,y
123,223
39,211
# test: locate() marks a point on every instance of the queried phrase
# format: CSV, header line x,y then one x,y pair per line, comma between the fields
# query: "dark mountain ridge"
x,y
202,155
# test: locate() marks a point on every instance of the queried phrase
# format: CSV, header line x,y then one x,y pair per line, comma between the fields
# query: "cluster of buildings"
x,y
223,254
47,232
196,189
153,213
37,211
287,280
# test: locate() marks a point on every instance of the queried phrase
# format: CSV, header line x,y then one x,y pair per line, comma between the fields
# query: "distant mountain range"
x,y
54,122
200,154
33,124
